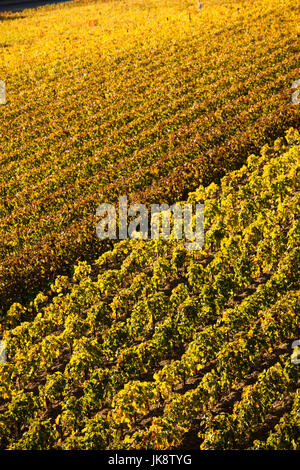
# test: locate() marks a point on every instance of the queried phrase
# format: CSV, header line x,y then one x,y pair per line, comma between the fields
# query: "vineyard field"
x,y
148,344
157,347
148,99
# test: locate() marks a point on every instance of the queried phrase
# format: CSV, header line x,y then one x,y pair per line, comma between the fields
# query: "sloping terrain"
x,y
147,99
155,346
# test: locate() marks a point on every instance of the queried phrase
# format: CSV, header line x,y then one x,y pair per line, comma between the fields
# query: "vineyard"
x,y
152,344
144,99
143,344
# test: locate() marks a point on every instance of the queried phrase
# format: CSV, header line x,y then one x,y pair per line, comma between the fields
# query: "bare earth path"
x,y
19,5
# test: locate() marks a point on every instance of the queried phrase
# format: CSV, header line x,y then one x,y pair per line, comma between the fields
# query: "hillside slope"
x,y
154,346
147,99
